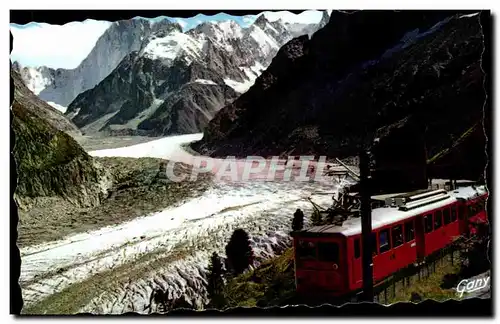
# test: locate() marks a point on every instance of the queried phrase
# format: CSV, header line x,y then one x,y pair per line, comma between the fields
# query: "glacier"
x,y
197,227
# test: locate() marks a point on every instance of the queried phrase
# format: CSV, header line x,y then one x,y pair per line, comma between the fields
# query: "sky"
x,y
66,46
56,46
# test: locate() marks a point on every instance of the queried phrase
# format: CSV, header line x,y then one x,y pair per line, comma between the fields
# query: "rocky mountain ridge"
x,y
61,86
364,75
177,81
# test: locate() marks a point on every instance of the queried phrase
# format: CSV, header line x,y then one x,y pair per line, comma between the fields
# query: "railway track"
x,y
422,269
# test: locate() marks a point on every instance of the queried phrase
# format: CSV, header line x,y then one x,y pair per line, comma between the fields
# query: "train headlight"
x,y
335,266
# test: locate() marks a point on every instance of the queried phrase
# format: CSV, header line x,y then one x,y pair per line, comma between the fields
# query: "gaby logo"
x,y
470,285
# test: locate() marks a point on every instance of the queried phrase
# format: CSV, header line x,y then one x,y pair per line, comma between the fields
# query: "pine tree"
x,y
298,220
475,250
330,217
239,252
316,218
215,287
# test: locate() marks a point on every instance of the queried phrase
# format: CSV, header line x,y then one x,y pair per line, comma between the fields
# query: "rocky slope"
x,y
178,80
364,75
39,107
49,162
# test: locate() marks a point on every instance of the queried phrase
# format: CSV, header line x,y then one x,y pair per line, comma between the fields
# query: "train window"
x,y
409,234
328,251
438,219
480,206
472,211
453,213
428,223
397,236
306,250
357,249
374,244
385,243
461,212
446,216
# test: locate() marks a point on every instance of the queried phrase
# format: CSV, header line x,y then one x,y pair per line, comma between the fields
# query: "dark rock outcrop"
x,y
49,162
144,96
364,75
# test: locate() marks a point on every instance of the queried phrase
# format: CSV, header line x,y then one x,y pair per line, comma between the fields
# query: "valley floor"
x,y
114,269
92,143
135,192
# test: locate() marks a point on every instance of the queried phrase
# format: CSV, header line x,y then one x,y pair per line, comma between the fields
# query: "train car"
x,y
404,231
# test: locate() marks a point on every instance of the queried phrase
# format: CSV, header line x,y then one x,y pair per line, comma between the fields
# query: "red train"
x,y
406,230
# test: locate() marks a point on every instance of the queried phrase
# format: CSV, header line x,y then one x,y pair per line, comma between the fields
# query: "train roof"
x,y
469,192
387,215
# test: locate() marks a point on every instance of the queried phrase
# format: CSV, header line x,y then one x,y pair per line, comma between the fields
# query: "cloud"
x,y
248,20
55,46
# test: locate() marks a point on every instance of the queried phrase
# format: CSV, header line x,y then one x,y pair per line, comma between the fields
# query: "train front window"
x,y
306,250
328,251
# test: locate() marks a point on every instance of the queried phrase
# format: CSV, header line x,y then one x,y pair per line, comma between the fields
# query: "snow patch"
x,y
257,68
203,81
173,45
34,79
265,43
252,73
240,87
268,26
168,147
221,33
230,29
58,107
73,114
469,15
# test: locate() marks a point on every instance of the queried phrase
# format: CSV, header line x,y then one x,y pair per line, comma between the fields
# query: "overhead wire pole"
x,y
366,224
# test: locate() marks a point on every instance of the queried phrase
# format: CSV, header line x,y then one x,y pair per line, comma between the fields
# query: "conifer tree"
x,y
316,218
239,252
298,220
215,287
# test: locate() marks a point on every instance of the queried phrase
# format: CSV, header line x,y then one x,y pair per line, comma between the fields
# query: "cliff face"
x,y
49,162
364,75
39,107
61,86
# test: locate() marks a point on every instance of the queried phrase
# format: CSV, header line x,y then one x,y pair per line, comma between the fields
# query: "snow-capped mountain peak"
x,y
152,77
172,45
221,33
